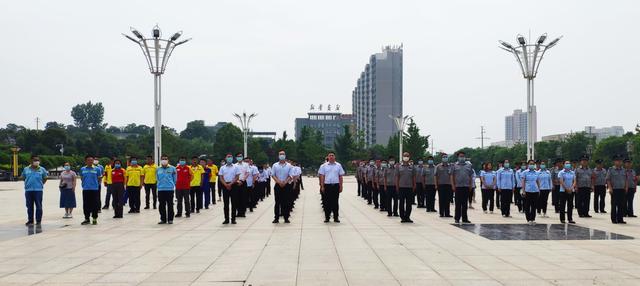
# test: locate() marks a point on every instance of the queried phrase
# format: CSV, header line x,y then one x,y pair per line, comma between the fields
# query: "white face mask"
x,y
96,162
164,162
391,163
406,159
36,163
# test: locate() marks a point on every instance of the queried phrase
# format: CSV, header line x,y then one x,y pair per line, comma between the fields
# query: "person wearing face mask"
x,y
618,185
252,179
599,187
530,191
107,183
420,192
213,181
359,178
584,183
34,176
205,184
430,185
406,184
369,179
380,186
375,190
90,175
195,188
183,187
488,186
505,179
281,173
517,193
67,190
100,168
567,179
546,183
117,187
461,182
166,177
632,183
330,174
443,183
555,192
241,185
150,183
390,173
228,176
135,178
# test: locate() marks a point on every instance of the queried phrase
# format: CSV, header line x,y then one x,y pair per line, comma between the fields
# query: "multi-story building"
x,y
330,124
378,95
515,127
598,133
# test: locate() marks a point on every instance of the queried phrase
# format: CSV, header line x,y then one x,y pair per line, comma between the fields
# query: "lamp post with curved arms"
x,y
244,120
157,52
400,122
529,57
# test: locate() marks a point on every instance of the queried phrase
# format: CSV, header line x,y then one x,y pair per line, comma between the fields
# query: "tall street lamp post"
x,y
400,122
529,57
157,52
244,120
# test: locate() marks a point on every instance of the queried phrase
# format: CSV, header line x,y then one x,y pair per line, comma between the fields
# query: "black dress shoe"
x,y
146,208
336,220
572,222
233,222
466,221
179,215
326,220
276,221
622,222
29,223
162,222
170,222
85,222
226,221
286,220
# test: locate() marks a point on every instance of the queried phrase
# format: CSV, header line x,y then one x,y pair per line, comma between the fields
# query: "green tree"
x,y
88,115
413,142
311,152
227,140
197,129
345,145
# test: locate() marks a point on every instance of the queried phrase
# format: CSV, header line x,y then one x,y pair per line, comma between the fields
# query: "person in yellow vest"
x,y
150,182
195,191
107,183
134,179
210,198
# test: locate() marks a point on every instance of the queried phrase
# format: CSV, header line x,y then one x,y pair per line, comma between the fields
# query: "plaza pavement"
x,y
367,248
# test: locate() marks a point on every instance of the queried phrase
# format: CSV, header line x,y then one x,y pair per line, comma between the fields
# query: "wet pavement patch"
x,y
15,231
539,232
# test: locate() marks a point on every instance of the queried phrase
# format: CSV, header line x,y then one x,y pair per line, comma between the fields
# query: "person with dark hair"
x,y
34,176
430,185
360,178
584,184
420,190
487,186
461,182
443,185
67,190
390,173
517,194
229,175
252,179
406,186
150,183
241,185
599,187
166,176
282,175
505,179
555,192
195,189
96,163
213,181
530,191
90,196
382,192
135,178
546,183
368,180
205,185
183,188
618,186
567,179
118,178
632,183
107,183
330,174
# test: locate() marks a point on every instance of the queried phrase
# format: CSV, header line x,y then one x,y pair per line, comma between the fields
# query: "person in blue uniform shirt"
x,y
34,176
517,194
505,179
530,191
166,182
546,184
567,179
90,197
488,186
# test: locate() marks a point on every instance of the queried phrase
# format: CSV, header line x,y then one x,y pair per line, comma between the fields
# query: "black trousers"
x,y
487,199
376,194
268,192
90,203
505,204
630,194
543,201
134,197
530,202
599,195
242,199
517,198
430,197
584,200
359,188
406,201
332,196
183,195
498,200
369,192
212,189
219,189
196,198
462,203
229,199
565,205
383,196
555,198
150,189
166,205
444,199
618,205
253,196
281,206
117,192
420,194
392,200
107,196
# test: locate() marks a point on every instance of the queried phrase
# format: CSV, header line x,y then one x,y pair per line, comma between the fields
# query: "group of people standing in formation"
x,y
393,187
240,183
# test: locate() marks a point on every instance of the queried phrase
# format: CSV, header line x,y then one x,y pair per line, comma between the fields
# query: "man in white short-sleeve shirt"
x,y
330,174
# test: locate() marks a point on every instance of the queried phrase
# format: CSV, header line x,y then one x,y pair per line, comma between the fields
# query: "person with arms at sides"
x,y
380,186
545,183
406,187
195,188
359,178
67,190
213,179
252,179
241,185
135,177
150,183
90,196
96,163
205,181
506,185
443,183
106,177
166,176
488,186
297,183
555,192
375,191
632,183
263,174
330,174
369,180
567,179
34,176
420,191
229,175
517,193
183,187
584,184
500,167
389,184
618,185
281,174
530,191
118,178
268,190
599,187
461,182
430,185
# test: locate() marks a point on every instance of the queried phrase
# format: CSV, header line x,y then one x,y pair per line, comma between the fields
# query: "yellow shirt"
x,y
133,176
149,172
214,173
196,178
107,178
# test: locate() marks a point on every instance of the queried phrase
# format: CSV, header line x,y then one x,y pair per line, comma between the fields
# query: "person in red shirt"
x,y
117,187
183,186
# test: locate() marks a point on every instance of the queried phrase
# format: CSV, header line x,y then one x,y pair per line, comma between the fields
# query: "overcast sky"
x,y
277,58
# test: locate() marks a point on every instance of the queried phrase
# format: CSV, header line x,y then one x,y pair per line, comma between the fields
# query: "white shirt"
x,y
331,172
253,170
243,169
297,171
228,172
282,171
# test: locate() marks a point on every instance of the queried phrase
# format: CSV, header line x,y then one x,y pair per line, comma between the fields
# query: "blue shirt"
x,y
282,171
166,178
544,177
569,177
204,183
505,179
530,178
489,178
519,178
90,175
34,179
